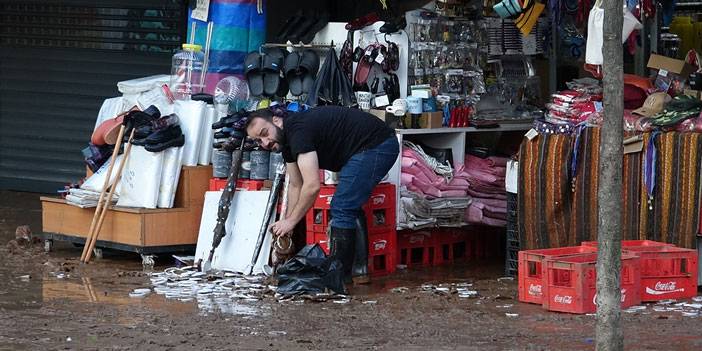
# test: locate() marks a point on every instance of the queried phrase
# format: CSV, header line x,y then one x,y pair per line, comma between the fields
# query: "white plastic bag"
x,y
141,178
97,180
140,85
595,33
205,157
190,114
170,176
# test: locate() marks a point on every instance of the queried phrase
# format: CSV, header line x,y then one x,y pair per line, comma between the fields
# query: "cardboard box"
x,y
678,67
427,120
380,113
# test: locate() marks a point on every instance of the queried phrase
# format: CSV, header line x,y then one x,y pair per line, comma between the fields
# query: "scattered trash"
x,y
505,279
666,302
401,290
693,305
512,315
505,306
370,302
401,266
635,309
25,277
691,314
215,290
138,293
467,293
68,339
277,333
697,299
342,301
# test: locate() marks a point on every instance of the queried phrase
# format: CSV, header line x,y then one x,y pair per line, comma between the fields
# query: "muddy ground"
x,y
89,309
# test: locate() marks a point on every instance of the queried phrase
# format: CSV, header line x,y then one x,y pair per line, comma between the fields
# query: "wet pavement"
x,y
51,302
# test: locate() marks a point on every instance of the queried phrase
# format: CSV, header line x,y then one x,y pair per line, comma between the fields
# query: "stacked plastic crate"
x,y
564,279
381,222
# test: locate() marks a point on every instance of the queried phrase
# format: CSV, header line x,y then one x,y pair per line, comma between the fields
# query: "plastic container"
x,y
221,163
532,269
186,71
667,272
260,161
570,283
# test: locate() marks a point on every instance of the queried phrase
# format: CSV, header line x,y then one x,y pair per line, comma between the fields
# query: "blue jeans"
x,y
357,179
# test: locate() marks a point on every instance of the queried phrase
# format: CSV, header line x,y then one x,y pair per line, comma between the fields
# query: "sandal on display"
x,y
253,74
308,66
292,75
273,61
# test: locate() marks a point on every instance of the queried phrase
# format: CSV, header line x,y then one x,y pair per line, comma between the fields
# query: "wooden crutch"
x,y
105,186
113,188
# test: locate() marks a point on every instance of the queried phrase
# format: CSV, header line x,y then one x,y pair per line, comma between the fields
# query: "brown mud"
x,y
51,302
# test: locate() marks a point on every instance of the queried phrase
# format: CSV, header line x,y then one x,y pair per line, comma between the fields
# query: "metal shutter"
x,y
58,61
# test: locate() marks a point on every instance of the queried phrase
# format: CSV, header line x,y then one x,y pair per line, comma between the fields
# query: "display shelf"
x,y
502,128
443,138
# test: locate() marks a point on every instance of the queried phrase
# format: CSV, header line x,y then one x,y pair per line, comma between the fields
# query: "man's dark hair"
x,y
261,113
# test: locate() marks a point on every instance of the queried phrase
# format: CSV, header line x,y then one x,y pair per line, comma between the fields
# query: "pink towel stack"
x,y
419,178
487,187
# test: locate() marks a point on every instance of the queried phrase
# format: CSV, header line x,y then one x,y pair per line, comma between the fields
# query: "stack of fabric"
x,y
430,194
577,104
486,177
85,198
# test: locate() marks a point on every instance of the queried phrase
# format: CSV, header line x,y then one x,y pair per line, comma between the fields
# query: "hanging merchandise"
x,y
331,86
237,29
595,34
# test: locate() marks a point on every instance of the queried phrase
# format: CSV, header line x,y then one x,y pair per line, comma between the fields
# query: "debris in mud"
x,y
137,293
512,315
400,290
505,279
25,278
185,284
318,297
697,299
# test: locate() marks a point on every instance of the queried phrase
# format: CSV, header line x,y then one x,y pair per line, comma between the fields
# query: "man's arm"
x,y
293,187
308,167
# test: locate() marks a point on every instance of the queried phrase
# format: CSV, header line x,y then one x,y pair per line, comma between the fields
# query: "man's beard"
x,y
279,139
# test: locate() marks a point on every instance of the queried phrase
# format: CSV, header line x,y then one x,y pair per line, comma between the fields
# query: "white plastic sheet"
x,y
141,178
170,176
140,85
237,247
190,114
97,180
207,136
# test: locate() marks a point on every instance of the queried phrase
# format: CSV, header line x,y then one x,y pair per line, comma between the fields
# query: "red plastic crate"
x,y
416,248
570,283
380,209
667,272
217,184
381,253
532,270
631,243
452,245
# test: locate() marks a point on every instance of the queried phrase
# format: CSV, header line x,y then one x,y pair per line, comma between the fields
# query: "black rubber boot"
x,y
341,247
359,273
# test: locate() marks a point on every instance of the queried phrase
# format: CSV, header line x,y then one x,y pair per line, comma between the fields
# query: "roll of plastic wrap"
x,y
276,159
190,113
245,170
207,136
169,176
259,164
141,176
221,163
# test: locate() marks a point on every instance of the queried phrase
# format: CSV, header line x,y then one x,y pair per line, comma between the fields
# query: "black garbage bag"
x,y
332,86
310,271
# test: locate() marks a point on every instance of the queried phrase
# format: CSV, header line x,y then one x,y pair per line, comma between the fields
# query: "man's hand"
x,y
282,227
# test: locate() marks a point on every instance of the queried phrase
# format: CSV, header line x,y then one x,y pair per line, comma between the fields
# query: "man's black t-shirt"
x,y
335,133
